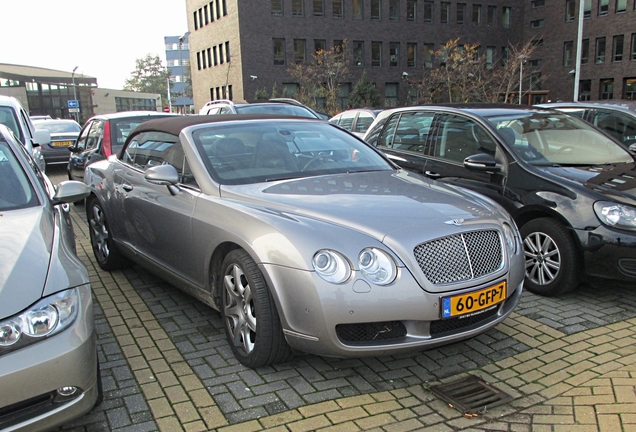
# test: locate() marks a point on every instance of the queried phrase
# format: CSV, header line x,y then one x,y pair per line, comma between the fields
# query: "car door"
x,y
157,224
458,137
406,139
79,151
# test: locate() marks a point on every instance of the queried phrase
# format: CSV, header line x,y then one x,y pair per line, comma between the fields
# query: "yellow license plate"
x,y
62,143
475,301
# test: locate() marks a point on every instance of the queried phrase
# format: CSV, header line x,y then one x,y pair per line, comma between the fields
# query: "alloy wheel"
x,y
239,310
543,258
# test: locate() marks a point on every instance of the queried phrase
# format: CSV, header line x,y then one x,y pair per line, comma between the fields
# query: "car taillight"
x,y
106,145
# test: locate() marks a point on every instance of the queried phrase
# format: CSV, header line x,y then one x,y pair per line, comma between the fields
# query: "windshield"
x,y
54,126
542,138
275,150
8,118
16,191
280,109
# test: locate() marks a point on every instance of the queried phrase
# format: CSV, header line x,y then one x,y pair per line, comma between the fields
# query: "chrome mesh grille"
x,y
460,257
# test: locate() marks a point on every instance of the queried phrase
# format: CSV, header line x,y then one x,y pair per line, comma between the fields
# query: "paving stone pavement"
x,y
569,363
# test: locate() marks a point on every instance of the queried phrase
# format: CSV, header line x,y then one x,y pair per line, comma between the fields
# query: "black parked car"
x,y
570,188
102,136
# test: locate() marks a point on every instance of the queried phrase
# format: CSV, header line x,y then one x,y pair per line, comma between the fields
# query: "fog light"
x,y
67,391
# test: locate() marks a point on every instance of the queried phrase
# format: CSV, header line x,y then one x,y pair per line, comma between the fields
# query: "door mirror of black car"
x,y
482,162
165,175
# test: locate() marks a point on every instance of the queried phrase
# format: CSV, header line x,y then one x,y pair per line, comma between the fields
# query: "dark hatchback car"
x,y
104,135
570,188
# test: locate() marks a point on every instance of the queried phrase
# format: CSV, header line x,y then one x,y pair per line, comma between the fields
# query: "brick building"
x,y
238,47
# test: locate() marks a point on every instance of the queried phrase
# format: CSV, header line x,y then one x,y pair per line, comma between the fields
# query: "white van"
x,y
14,116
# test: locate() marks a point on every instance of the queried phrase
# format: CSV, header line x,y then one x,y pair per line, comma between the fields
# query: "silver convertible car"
x,y
49,370
304,237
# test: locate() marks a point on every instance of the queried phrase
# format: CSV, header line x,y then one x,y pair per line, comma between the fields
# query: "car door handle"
x,y
432,174
127,187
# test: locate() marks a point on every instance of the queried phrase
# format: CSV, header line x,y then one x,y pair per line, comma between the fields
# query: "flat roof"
x,y
43,75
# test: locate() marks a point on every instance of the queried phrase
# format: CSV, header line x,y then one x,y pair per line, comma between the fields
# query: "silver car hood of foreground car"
x,y
30,236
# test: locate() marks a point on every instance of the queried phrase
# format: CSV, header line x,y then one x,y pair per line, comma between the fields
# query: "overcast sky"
x,y
102,38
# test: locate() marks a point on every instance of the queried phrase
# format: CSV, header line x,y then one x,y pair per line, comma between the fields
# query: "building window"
x,y
587,9
224,7
492,16
299,51
209,56
535,81
461,13
630,89
537,23
490,56
505,55
215,56
390,94
297,8
505,17
621,5
537,3
134,104
607,89
537,42
567,53
198,61
358,53
632,55
200,17
376,53
221,58
476,14
411,51
585,51
206,17
394,10
277,8
337,9
428,11
411,10
570,10
319,7
444,12
617,48
195,19
394,54
585,90
344,89
357,9
535,62
427,56
279,52
600,50
211,9
320,45
376,10
227,51
603,7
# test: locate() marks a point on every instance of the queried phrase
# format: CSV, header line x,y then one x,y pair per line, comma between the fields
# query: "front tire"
x,y
106,253
252,324
552,259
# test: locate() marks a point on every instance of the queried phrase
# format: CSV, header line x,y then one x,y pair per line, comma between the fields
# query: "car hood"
x,y
26,238
381,204
616,181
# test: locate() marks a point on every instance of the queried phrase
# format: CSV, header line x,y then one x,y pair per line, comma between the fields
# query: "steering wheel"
x,y
318,157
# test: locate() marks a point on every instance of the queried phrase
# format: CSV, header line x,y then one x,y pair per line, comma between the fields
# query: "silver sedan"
x,y
304,237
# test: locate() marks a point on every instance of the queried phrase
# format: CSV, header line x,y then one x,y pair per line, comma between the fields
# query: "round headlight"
x,y
9,333
41,322
331,266
377,266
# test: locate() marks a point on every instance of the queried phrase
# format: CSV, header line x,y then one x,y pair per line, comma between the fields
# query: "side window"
x,y
579,112
620,126
95,135
412,131
460,137
81,140
150,149
364,121
346,120
335,120
386,139
213,111
24,119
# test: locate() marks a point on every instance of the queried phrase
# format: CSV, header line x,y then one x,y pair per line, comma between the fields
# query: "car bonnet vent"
x,y
470,395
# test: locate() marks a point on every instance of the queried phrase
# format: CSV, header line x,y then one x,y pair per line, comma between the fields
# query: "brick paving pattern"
x,y
569,363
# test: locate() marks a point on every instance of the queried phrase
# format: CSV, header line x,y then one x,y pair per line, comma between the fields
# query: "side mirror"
x,y
70,191
165,175
41,137
632,148
482,162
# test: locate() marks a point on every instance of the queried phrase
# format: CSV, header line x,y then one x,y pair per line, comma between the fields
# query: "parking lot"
x,y
569,363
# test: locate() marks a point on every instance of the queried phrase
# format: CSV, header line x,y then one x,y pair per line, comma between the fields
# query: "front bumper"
x,y
318,317
609,254
30,377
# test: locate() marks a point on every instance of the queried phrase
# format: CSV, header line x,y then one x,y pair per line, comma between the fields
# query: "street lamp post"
x,y
76,114
522,59
579,46
183,99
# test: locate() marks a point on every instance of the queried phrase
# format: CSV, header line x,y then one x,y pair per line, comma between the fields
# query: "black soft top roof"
x,y
174,125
